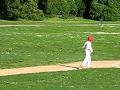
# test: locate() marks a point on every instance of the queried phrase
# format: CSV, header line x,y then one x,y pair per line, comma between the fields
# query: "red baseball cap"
x,y
90,38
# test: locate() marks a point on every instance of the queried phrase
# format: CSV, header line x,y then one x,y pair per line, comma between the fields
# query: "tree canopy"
x,y
39,9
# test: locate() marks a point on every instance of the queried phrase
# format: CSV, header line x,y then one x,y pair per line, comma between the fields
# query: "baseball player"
x,y
88,50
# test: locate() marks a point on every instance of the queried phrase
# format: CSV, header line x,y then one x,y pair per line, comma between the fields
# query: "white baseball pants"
x,y
87,60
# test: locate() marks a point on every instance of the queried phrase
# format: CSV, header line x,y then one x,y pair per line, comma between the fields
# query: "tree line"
x,y
39,9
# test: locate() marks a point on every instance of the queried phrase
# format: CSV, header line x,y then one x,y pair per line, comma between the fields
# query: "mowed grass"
x,y
89,79
56,43
22,46
49,21
56,20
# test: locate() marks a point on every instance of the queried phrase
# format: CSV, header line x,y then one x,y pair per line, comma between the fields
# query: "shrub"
x,y
25,9
28,10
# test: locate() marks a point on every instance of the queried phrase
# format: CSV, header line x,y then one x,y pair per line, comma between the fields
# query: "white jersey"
x,y
88,46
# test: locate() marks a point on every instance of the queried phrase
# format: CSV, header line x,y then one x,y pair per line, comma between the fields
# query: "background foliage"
x,y
37,9
109,9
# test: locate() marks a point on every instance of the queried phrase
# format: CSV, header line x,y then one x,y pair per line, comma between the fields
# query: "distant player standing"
x,y
88,50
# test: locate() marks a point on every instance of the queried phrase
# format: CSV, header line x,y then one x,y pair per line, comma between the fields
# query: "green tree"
x,y
80,7
109,9
63,8
13,9
72,7
57,7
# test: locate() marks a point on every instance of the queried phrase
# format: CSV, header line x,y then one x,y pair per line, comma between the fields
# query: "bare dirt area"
x,y
60,67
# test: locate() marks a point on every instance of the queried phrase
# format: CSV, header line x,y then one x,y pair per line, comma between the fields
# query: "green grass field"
x,y
89,79
55,43
58,41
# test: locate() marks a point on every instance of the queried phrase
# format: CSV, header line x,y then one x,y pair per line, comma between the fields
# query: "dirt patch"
x,y
60,67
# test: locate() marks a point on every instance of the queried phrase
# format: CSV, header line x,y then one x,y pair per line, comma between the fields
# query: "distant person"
x,y
88,50
101,18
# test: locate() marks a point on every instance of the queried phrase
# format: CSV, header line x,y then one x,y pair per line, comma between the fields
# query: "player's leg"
x,y
89,62
84,62
87,57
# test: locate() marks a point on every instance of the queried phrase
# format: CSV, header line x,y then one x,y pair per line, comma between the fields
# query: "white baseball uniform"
x,y
88,50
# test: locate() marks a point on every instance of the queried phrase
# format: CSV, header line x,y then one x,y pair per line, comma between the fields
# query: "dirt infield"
x,y
60,67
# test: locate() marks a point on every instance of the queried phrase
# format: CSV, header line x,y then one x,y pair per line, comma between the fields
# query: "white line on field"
x,y
21,25
61,25
110,33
